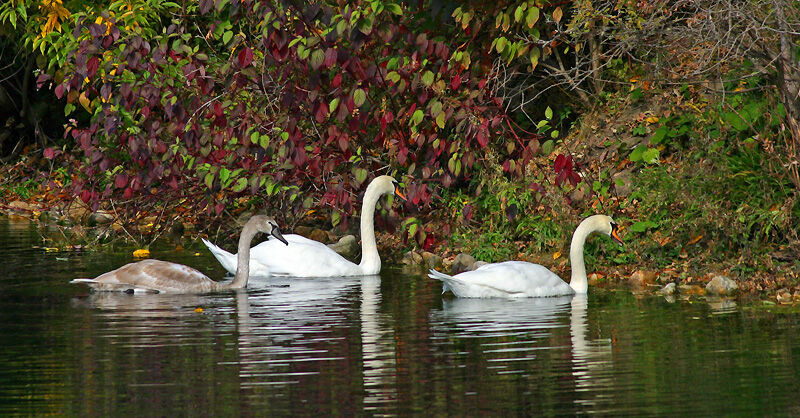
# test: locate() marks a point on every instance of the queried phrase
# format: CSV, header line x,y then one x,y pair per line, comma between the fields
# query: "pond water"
x,y
388,345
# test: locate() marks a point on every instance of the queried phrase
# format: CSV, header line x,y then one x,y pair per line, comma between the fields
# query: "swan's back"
x,y
303,257
509,279
152,276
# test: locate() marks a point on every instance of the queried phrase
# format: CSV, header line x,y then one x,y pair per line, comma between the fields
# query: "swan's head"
x,y
385,185
605,225
267,225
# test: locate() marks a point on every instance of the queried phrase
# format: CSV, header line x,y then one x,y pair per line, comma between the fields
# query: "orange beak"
x,y
399,194
616,236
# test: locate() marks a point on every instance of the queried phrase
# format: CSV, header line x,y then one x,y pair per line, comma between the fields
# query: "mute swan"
x,y
520,279
163,276
309,258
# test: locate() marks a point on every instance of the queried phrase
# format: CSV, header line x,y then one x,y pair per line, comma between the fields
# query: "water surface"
x,y
388,345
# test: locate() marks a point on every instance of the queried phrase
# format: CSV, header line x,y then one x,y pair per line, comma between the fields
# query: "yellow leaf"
x,y
84,101
652,119
694,240
198,309
50,249
141,253
557,13
556,255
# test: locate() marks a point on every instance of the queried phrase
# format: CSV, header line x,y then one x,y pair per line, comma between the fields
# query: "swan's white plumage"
x,y
509,279
515,279
305,257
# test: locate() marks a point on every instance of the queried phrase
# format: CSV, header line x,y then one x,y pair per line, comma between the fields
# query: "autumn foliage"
x,y
258,101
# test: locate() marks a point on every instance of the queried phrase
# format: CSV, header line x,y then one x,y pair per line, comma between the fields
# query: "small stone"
x,y
21,206
318,235
643,278
78,210
462,262
412,258
347,247
721,285
669,289
783,296
431,260
100,218
691,289
475,265
303,230
623,183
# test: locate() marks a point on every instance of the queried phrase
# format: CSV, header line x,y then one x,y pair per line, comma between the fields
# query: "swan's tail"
x,y
433,274
225,258
87,281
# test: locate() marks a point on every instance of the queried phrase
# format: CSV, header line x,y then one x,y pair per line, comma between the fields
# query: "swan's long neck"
x,y
243,258
578,282
370,260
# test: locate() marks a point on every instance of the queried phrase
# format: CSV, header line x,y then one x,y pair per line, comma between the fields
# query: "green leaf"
x,y
440,120
226,37
427,78
333,104
659,135
436,107
532,16
316,58
534,56
393,76
336,217
394,9
416,118
341,27
224,174
554,134
209,180
548,146
264,141
642,226
359,97
361,175
240,185
650,156
636,154
501,44
548,113
518,13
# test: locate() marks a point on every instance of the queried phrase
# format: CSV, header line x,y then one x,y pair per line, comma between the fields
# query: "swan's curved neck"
x,y
579,282
370,260
243,258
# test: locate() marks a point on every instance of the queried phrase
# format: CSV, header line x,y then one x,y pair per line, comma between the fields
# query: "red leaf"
x,y
455,83
482,138
86,195
92,65
60,91
330,58
245,57
218,208
218,109
559,163
337,81
481,84
128,193
121,181
322,112
49,153
41,80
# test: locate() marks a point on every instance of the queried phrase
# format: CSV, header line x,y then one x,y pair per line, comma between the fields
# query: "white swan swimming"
x,y
165,277
309,258
520,279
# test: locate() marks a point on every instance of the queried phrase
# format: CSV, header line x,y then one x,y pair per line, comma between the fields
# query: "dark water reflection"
x,y
388,345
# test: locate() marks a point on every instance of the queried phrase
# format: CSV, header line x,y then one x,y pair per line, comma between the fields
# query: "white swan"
x,y
165,277
309,258
520,279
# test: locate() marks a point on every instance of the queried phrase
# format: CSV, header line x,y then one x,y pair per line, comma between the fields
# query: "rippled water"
x,y
389,345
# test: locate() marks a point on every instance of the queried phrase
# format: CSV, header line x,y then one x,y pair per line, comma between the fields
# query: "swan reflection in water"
x,y
512,331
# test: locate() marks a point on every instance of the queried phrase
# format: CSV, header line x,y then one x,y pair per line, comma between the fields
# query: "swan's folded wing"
x,y
515,279
303,257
